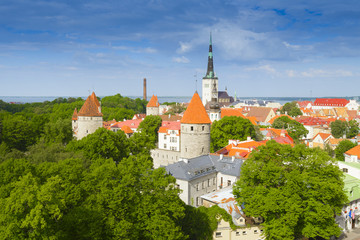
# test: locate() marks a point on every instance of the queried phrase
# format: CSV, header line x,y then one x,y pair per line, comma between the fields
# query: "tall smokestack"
x,y
144,97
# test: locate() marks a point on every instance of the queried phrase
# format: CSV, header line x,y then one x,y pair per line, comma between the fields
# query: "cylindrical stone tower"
x,y
195,130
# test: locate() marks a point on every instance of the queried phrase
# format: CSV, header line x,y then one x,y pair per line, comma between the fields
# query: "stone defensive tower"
x,y
89,118
153,106
195,130
210,81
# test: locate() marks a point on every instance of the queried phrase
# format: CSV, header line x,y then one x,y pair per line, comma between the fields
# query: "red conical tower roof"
x,y
91,107
153,102
75,115
195,113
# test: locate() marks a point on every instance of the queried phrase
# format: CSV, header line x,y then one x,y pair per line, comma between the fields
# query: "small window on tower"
x,y
203,128
191,128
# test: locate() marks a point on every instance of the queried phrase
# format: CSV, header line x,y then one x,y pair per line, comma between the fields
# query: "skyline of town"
x,y
288,49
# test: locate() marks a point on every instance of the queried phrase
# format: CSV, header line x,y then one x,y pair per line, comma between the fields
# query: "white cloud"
x,y
184,47
181,59
311,73
266,68
290,73
135,50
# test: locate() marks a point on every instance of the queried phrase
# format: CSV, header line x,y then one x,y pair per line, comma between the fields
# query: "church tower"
x,y
195,130
214,108
210,81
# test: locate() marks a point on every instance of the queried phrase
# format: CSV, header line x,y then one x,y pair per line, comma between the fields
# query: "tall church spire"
x,y
210,67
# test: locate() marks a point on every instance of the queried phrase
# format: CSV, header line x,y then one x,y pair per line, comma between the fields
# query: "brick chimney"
x,y
144,96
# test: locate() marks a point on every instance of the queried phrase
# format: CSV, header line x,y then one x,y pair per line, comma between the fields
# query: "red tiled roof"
x,y
127,129
91,107
253,120
323,136
226,112
153,102
303,104
260,113
172,118
311,121
338,102
195,113
354,151
171,125
133,124
139,116
75,115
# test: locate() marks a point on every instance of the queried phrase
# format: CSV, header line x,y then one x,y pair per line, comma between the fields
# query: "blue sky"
x,y
268,48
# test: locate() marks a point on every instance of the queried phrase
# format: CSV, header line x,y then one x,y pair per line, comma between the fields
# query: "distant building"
x,y
152,108
327,103
88,119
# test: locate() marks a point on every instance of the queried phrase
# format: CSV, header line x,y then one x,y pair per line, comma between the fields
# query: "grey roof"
x,y
204,165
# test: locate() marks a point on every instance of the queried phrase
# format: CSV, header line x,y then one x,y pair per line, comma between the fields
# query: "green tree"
x,y
18,132
58,132
343,146
295,129
150,127
338,128
352,129
291,109
102,144
296,190
230,128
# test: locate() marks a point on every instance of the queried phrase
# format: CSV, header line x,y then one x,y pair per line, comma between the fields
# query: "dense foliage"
x,y
296,190
100,187
230,128
341,128
343,146
149,127
78,191
119,108
295,129
291,109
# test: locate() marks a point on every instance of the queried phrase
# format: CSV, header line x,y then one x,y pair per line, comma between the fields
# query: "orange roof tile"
x,y
354,151
253,120
323,135
91,107
75,115
195,113
335,141
153,102
231,112
126,129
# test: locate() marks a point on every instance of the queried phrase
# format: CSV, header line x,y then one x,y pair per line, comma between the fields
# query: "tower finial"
x,y
210,67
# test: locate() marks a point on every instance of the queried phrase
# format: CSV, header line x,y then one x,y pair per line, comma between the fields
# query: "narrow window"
x,y
191,128
203,128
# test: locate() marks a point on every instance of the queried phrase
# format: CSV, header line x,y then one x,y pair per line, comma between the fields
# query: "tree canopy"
x,y
150,127
291,109
343,146
296,191
66,198
295,129
341,128
230,128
